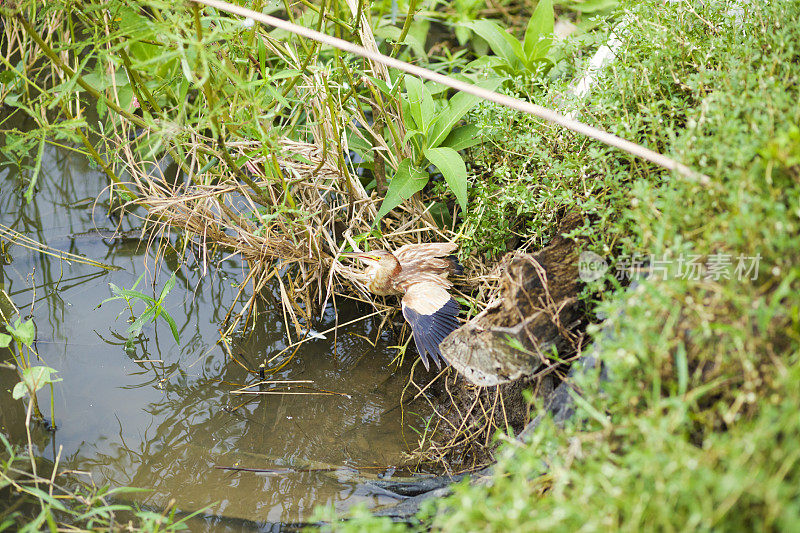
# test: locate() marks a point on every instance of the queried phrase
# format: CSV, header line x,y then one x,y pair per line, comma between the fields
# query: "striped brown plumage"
x,y
419,272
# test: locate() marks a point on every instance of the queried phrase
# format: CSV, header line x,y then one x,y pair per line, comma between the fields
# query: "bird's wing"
x,y
411,253
432,314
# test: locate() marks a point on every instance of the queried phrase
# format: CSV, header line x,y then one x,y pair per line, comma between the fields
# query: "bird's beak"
x,y
358,255
355,255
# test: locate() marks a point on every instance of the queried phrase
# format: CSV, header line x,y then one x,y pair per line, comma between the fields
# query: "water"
x,y
170,425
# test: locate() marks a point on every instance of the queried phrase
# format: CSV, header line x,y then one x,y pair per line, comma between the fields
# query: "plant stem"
x,y
504,100
412,7
208,91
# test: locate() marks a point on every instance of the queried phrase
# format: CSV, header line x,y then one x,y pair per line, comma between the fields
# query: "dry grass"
x,y
286,207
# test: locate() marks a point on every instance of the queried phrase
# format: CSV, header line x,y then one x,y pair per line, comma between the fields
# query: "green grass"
x,y
698,427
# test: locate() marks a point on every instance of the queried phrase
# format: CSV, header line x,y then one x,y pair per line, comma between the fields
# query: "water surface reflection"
x,y
168,425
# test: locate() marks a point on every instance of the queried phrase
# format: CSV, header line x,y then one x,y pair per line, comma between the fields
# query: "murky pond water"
x,y
174,425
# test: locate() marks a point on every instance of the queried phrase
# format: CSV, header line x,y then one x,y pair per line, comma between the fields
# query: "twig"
x,y
512,103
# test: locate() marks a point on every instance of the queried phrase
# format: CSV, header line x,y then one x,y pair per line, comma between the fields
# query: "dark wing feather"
x,y
433,315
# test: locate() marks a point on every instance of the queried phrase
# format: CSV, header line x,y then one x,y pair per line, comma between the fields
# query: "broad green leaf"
x,y
5,340
33,379
283,74
382,86
454,111
452,167
98,80
463,34
501,42
23,332
410,134
418,32
407,181
441,215
131,22
19,391
463,137
428,109
487,62
415,94
540,26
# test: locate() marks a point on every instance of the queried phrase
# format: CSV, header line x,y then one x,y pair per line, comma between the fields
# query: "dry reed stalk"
x,y
312,207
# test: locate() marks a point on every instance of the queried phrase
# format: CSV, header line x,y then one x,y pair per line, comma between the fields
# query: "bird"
x,y
419,272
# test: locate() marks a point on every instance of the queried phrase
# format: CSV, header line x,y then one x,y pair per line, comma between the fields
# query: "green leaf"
x,y
407,181
23,332
593,6
415,95
490,62
44,496
456,108
136,328
441,215
501,42
463,137
452,167
103,511
540,27
130,293
410,134
33,379
138,280
383,87
37,167
167,287
682,367
463,34
172,326
19,391
5,340
392,34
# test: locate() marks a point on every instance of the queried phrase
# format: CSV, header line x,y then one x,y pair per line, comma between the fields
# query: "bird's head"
x,y
379,258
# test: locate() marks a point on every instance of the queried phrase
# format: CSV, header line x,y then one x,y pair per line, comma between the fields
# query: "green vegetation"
x,y
697,427
51,500
19,341
515,57
154,308
47,505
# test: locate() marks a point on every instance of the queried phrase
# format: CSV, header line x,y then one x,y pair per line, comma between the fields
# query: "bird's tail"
x,y
456,268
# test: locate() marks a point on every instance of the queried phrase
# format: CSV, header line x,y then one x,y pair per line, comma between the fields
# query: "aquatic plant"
x,y
57,501
154,308
19,341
